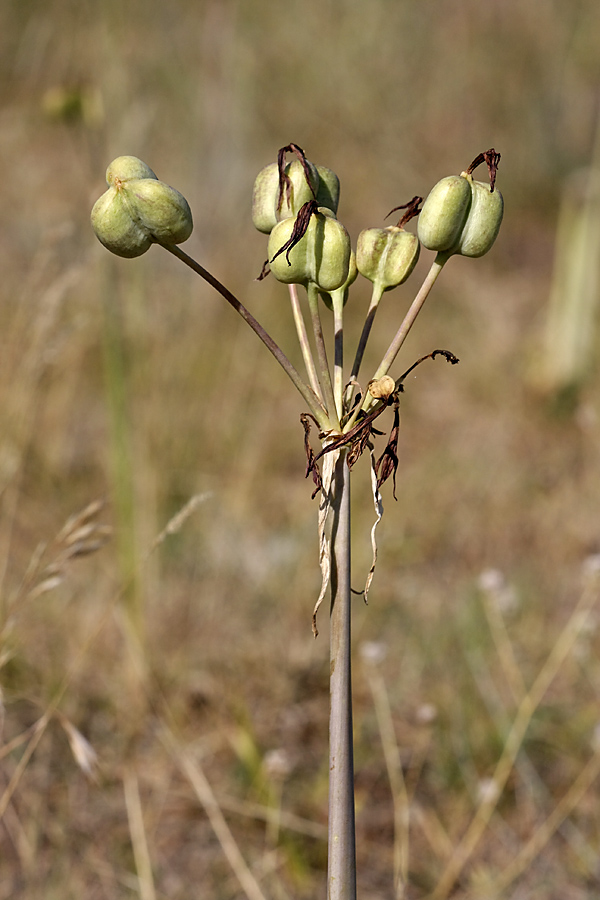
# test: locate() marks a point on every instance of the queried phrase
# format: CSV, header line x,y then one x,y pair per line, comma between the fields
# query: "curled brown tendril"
x,y
299,229
412,210
285,182
491,158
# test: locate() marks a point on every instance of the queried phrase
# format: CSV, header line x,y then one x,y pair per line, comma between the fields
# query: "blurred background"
x,y
164,701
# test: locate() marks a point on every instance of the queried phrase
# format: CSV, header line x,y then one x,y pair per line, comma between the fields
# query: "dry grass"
x,y
146,684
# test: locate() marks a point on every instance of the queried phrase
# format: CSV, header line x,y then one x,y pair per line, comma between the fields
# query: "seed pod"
x,y
116,229
125,168
387,256
321,255
267,211
138,209
327,297
159,209
328,190
382,388
483,222
444,213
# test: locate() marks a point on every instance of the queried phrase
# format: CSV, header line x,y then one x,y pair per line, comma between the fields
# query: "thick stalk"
x,y
341,875
308,394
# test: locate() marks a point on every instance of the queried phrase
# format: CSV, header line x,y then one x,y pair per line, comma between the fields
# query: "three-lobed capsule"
x,y
461,216
322,256
138,210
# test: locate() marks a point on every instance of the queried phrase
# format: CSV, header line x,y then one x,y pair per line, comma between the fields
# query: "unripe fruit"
x,y
138,209
444,213
161,210
266,209
116,229
328,190
483,222
387,256
322,255
344,289
125,168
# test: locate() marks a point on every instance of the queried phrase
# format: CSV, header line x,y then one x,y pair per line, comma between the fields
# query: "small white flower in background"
x,y
373,652
583,648
591,565
493,583
277,764
426,714
491,580
487,790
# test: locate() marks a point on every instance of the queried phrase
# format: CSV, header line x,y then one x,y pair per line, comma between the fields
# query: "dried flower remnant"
x,y
281,190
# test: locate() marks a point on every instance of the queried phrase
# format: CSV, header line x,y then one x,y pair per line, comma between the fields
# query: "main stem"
x,y
341,875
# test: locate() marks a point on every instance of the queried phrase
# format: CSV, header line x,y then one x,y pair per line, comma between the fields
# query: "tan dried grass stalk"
x,y
526,709
137,830
193,771
393,764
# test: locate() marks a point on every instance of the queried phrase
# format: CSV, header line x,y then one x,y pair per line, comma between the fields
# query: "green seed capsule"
x,y
266,210
159,209
328,190
483,222
116,229
444,213
387,256
138,209
125,168
344,290
322,255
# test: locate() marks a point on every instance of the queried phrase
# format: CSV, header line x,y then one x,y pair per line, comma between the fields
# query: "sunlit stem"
x,y
376,296
304,342
325,374
341,872
310,397
409,319
337,299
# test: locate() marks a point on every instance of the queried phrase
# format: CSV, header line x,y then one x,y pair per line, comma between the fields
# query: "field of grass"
x,y
164,704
